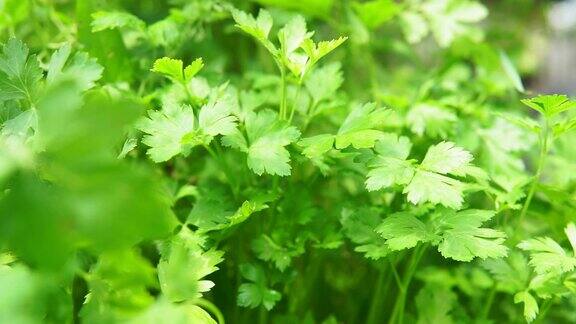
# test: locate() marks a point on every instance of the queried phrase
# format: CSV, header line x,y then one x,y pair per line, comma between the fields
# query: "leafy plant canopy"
x,y
275,161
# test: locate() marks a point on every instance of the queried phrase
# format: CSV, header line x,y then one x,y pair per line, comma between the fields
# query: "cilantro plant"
x,y
275,161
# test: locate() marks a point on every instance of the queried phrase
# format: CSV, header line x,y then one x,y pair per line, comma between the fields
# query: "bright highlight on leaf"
x,y
174,69
550,105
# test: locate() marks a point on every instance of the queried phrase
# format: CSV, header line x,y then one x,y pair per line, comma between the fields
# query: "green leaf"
x,y
459,235
426,182
169,67
215,117
448,19
393,146
563,126
21,125
174,69
19,73
404,231
464,244
323,82
258,28
434,304
119,284
511,72
167,130
435,188
211,210
359,227
463,239
193,68
548,256
184,265
103,20
386,172
80,67
570,231
358,129
250,207
316,146
376,12
414,26
317,51
445,158
268,250
530,305
165,311
128,146
292,35
256,292
267,137
252,295
390,167
550,105
524,122
174,129
214,210
57,61
512,273
429,119
430,183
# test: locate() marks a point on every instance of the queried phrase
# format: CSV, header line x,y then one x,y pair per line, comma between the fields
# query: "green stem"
x,y
263,315
305,294
207,305
377,298
295,102
489,301
398,312
544,310
282,93
544,148
189,96
396,275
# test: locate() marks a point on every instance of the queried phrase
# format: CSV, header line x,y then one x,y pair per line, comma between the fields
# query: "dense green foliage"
x,y
275,161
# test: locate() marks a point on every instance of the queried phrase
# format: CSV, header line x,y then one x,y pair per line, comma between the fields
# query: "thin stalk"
x,y
209,306
396,275
282,93
295,102
263,315
489,302
544,310
188,94
304,293
398,312
544,148
377,298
